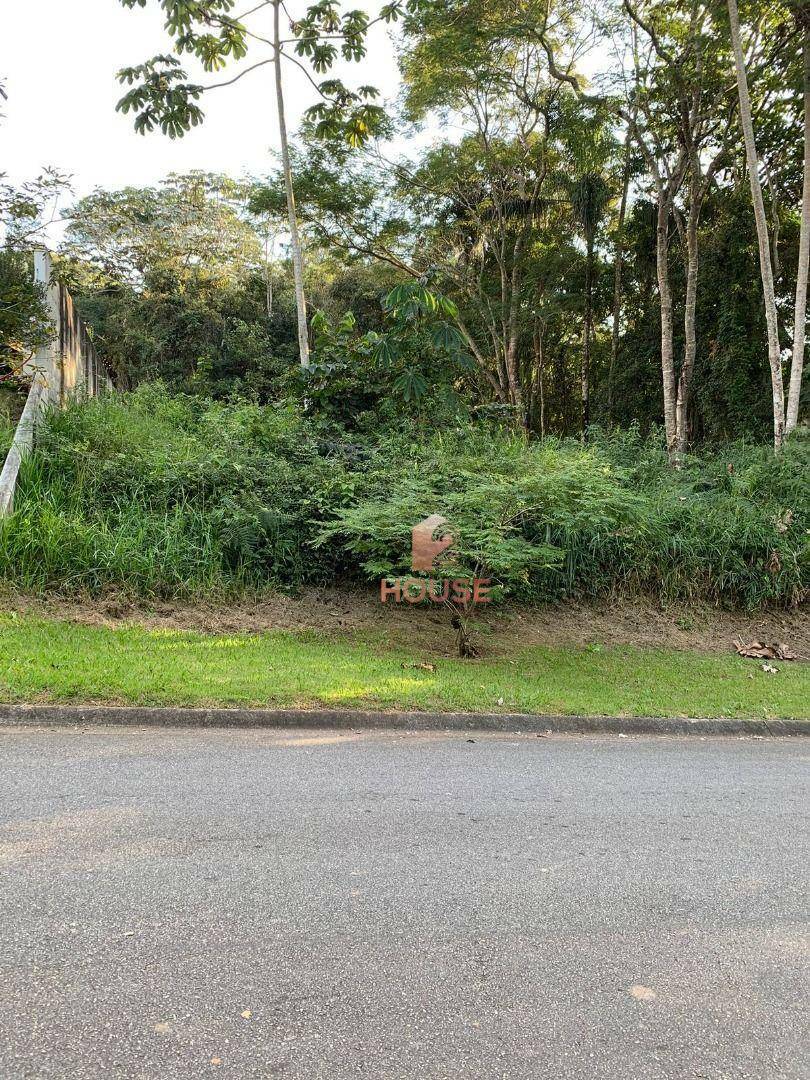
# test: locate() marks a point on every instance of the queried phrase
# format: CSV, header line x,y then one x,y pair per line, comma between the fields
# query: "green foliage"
x,y
24,207
168,495
185,232
161,98
556,519
24,324
512,215
173,282
731,391
178,495
161,95
417,354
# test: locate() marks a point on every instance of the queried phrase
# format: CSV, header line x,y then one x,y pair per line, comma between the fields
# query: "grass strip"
x,y
45,660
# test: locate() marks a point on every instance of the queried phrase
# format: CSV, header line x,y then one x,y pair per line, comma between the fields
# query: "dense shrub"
x,y
554,518
175,495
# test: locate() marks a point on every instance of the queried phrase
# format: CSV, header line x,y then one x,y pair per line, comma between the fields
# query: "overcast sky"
x,y
59,59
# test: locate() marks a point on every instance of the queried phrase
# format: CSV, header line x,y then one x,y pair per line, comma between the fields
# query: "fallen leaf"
x,y
756,650
247,1014
783,652
784,521
642,993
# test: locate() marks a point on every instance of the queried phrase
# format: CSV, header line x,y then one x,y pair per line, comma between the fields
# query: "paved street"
x,y
327,905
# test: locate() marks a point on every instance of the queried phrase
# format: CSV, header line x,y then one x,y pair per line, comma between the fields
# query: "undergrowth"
x,y
178,496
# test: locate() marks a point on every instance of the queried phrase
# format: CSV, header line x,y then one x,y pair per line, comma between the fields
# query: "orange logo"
x,y
424,548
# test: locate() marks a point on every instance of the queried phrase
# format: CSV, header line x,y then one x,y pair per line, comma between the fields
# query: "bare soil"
x,y
497,629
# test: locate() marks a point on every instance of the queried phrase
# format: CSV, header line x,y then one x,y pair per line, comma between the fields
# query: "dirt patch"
x,y
498,630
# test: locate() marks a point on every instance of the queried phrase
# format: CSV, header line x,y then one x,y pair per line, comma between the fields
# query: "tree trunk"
x,y
295,240
586,339
617,277
766,270
494,380
800,314
268,281
513,375
665,299
540,392
690,342
513,334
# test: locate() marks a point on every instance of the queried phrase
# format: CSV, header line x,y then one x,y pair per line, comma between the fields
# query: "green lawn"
x,y
43,660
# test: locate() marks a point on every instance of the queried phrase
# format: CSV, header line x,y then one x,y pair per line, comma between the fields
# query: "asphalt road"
x,y
326,905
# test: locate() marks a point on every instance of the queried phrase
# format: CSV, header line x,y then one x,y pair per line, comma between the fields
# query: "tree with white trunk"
x,y
682,112
763,242
800,310
161,95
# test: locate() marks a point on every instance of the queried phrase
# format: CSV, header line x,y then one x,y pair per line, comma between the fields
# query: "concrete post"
x,y
23,441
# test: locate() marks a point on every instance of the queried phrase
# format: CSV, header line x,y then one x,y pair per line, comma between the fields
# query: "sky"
x,y
59,59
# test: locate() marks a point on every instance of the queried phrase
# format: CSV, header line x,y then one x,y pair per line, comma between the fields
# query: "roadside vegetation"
x,y
171,495
49,661
571,322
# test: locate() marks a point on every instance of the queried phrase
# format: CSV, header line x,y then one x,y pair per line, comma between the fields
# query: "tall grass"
x,y
170,496
6,434
165,496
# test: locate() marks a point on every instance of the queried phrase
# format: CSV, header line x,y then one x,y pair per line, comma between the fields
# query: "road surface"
x,y
329,905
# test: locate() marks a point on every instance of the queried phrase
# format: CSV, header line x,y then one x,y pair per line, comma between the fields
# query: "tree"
x,y
187,231
666,161
26,210
24,322
667,168
800,308
173,281
618,266
681,93
513,215
766,269
590,198
295,240
161,95
486,217
679,109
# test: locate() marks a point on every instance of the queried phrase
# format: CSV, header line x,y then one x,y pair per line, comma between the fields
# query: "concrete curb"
x,y
130,716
